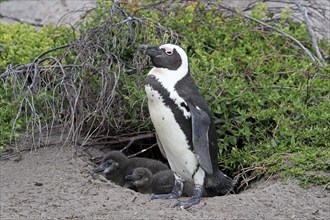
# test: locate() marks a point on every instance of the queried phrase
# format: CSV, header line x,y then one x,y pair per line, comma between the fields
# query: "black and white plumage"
x,y
117,166
184,127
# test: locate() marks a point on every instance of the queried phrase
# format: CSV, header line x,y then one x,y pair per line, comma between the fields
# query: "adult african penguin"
x,y
184,127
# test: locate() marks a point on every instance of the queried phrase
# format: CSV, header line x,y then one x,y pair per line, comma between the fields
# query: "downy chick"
x,y
117,166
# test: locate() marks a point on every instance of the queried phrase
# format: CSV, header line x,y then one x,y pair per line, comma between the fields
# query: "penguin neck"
x,y
168,78
145,188
117,172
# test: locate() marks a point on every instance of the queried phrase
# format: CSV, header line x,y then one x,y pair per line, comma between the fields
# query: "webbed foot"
x,y
176,191
164,196
186,204
195,199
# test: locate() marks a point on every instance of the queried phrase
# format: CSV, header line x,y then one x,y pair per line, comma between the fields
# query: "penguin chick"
x,y
117,166
145,182
159,183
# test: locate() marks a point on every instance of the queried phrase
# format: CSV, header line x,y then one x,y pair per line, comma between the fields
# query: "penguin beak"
x,y
143,47
103,166
152,51
100,168
131,178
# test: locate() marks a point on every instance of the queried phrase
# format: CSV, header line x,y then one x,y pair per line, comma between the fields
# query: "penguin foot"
x,y
198,191
186,204
165,196
176,191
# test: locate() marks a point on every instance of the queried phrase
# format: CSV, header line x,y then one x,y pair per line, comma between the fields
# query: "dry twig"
x,y
308,52
310,30
79,90
21,20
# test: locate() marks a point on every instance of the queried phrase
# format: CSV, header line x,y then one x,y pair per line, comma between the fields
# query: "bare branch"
x,y
83,96
142,151
21,20
308,52
310,30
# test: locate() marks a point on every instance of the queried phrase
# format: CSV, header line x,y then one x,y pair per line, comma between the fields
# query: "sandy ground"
x,y
45,11
57,183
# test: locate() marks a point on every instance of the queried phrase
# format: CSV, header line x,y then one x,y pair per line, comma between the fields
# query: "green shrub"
x,y
21,44
8,112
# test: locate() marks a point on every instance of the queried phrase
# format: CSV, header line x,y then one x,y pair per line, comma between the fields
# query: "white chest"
x,y
181,159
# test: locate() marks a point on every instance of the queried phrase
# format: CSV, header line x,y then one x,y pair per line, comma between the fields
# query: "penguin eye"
x,y
168,52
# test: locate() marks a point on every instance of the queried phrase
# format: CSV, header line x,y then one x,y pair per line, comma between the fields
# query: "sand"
x,y
58,183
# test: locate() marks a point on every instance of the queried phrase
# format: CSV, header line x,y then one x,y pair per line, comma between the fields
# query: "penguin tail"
x,y
220,183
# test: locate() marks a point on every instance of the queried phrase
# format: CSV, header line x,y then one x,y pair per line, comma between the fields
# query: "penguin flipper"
x,y
200,138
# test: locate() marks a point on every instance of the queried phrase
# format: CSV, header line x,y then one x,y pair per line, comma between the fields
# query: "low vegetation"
x,y
22,44
270,100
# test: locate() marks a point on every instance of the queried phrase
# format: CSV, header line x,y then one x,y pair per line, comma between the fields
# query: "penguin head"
x,y
167,56
112,161
140,177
